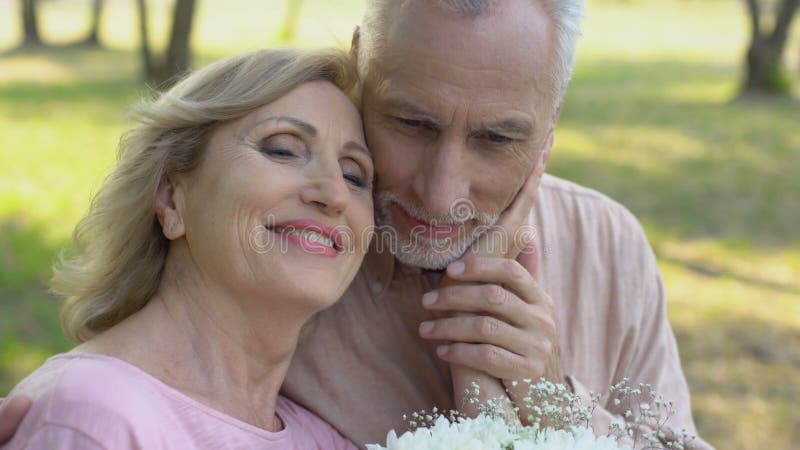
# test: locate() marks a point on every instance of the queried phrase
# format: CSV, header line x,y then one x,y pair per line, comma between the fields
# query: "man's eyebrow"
x,y
513,126
411,111
305,127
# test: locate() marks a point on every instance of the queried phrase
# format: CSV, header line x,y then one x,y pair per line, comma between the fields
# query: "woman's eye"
x,y
277,152
281,146
353,173
355,180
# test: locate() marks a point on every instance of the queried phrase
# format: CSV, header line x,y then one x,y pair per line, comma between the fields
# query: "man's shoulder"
x,y
571,197
584,223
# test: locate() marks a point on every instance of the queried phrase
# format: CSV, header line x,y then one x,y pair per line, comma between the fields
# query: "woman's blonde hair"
x,y
119,247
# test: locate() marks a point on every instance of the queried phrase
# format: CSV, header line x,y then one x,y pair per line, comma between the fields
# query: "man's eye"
x,y
411,122
498,138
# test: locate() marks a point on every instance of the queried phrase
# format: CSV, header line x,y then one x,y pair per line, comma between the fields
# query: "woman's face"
x,y
281,206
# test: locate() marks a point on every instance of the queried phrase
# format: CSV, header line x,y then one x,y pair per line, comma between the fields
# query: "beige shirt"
x,y
364,365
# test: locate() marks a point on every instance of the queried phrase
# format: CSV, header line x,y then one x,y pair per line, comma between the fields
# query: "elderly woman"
x,y
238,209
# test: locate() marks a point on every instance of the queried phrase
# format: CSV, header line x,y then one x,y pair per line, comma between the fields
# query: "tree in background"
x,y
178,54
290,20
93,38
765,55
30,24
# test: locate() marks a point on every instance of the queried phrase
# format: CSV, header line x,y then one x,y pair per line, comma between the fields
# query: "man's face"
x,y
456,115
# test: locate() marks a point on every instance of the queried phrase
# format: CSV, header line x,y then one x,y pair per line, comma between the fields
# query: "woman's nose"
x,y
327,191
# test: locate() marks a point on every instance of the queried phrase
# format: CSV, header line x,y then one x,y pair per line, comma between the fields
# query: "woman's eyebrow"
x,y
305,127
353,145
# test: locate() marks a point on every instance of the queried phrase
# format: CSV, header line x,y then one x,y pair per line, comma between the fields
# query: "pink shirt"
x,y
365,365
92,402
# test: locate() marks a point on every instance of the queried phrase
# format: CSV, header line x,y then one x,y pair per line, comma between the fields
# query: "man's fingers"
x,y
510,234
505,272
477,329
515,215
496,361
12,411
489,299
529,259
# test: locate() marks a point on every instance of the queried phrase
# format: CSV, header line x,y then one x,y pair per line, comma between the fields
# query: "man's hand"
x,y
511,334
501,323
12,411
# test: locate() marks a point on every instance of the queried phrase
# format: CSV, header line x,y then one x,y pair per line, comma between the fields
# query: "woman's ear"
x,y
168,212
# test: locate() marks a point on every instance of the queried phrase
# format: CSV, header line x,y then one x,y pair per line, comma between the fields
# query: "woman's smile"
x,y
311,236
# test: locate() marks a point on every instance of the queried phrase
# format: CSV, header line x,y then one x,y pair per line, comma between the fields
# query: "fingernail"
x,y
457,268
425,327
430,298
442,350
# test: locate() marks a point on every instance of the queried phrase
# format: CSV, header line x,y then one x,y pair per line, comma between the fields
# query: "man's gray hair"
x,y
564,14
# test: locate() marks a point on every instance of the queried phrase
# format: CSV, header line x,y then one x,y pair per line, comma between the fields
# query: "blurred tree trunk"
x,y
290,20
94,28
144,40
178,54
30,25
764,59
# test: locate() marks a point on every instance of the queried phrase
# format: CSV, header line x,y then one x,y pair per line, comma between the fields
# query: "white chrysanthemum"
x,y
481,433
484,433
578,439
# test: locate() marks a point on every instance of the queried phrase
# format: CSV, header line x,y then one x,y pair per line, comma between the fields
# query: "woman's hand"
x,y
12,411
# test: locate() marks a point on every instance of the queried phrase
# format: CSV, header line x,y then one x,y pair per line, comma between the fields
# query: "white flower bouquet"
x,y
558,420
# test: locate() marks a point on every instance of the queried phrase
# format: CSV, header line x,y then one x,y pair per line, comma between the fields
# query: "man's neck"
x,y
434,277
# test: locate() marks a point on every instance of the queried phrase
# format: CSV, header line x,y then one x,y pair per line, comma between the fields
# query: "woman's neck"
x,y
229,353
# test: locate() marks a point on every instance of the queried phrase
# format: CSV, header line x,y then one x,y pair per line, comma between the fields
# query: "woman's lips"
x,y
311,236
308,246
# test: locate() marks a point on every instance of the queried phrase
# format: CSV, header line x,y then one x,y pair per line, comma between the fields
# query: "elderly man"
x,y
460,101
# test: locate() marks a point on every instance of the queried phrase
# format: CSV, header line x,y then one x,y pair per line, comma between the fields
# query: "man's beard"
x,y
427,252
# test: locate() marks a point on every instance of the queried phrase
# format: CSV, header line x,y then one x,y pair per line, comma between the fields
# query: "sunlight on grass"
x,y
696,296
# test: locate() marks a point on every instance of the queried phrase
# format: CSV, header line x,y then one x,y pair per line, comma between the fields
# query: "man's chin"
x,y
422,261
428,258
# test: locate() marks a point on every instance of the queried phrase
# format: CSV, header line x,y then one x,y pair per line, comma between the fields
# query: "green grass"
x,y
649,120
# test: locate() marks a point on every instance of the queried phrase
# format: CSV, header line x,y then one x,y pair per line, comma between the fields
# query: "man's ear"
x,y
169,214
557,114
544,156
354,43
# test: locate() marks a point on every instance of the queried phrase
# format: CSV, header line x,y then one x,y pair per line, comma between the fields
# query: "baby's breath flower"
x,y
559,420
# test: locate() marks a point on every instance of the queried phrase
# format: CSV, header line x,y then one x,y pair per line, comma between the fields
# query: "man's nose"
x,y
327,190
443,179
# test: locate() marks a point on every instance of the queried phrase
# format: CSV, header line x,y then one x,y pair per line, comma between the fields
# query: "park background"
x,y
653,118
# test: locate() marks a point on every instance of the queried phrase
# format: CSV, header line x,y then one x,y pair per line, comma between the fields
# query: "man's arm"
x,y
12,411
651,356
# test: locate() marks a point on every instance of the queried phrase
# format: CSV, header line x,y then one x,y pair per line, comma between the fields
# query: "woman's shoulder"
x,y
308,429
86,379
98,396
